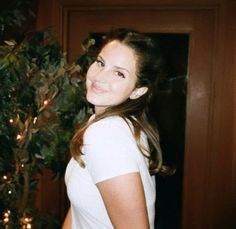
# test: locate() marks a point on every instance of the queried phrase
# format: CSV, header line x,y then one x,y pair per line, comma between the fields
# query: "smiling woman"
x,y
110,178
111,79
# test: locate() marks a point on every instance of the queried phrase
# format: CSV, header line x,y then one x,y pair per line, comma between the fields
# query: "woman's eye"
x,y
120,74
100,63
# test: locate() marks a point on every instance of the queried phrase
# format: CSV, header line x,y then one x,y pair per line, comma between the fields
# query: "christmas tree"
x,y
41,101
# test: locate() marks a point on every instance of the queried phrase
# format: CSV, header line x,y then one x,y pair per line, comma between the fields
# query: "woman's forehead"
x,y
119,53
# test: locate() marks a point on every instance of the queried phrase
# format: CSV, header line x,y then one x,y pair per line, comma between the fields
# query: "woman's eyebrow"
x,y
100,57
117,67
121,68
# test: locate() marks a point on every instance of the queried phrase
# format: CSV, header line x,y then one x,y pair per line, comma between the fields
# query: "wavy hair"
x,y
134,111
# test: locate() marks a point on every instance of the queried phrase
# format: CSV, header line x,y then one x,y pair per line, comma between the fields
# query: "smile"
x,y
97,89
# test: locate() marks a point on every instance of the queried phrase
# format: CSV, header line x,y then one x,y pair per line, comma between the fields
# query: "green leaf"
x,y
10,43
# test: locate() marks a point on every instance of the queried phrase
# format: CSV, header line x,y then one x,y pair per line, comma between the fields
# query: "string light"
x,y
7,213
11,120
45,102
5,177
9,192
26,222
6,217
18,137
6,220
35,120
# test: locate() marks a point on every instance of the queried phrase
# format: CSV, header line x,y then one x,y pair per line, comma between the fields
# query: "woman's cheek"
x,y
88,83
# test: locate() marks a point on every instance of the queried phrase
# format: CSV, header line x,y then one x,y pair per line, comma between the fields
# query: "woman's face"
x,y
111,79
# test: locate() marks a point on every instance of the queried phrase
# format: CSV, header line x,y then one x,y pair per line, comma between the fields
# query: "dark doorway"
x,y
169,111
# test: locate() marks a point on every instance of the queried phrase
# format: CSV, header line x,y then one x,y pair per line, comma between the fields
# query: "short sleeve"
x,y
109,149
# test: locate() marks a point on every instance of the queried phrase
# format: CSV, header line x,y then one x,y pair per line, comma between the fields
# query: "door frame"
x,y
199,24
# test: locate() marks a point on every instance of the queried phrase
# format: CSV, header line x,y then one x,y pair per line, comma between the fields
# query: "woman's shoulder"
x,y
109,121
108,125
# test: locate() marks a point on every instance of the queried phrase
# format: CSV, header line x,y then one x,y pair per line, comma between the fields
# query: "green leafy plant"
x,y
41,100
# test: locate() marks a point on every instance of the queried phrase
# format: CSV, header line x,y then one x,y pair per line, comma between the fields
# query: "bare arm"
x,y
67,221
125,201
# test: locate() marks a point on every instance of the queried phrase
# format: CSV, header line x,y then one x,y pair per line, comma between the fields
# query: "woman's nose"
x,y
102,75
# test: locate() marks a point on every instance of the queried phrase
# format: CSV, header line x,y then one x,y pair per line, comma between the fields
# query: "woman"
x,y
109,179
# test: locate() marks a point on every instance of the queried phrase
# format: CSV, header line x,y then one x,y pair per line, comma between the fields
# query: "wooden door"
x,y
200,27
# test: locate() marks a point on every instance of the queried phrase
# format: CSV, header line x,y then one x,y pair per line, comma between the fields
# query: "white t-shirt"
x,y
109,150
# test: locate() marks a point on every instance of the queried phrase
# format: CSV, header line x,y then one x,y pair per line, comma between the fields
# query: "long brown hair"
x,y
134,111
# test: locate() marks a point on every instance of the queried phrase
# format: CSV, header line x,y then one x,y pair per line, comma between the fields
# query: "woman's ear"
x,y
137,92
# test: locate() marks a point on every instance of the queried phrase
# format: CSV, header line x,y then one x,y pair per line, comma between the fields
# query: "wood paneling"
x,y
51,194
234,116
210,152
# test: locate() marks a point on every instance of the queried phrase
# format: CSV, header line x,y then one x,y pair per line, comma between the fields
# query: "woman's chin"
x,y
93,99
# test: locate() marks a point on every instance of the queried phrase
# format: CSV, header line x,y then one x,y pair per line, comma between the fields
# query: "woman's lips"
x,y
97,89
